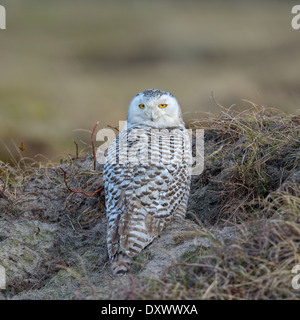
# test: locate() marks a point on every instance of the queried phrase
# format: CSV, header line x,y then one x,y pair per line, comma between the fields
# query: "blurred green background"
x,y
66,64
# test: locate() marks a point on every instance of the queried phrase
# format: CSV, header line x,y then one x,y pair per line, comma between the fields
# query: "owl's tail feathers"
x,y
121,264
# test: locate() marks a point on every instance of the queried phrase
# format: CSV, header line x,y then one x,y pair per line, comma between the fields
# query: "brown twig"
x,y
92,219
76,144
93,144
112,127
77,191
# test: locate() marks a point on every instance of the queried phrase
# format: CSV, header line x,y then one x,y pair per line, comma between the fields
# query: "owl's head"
x,y
155,108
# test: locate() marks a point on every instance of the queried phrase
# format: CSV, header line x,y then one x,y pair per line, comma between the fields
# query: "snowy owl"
x,y
147,174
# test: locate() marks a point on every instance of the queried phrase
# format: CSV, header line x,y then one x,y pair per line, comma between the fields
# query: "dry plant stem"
x,y
93,144
78,191
76,145
91,220
112,127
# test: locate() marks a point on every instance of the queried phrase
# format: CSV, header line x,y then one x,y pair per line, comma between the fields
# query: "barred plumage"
x,y
146,175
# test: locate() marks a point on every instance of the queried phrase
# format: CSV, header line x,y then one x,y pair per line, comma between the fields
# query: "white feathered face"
x,y
155,108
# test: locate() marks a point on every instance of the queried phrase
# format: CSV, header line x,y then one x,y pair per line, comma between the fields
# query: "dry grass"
x,y
253,144
75,172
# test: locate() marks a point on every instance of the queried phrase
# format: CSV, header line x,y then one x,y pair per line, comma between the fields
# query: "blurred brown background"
x,y
66,64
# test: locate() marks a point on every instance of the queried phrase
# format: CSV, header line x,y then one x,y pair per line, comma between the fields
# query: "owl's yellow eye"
x,y
162,105
142,106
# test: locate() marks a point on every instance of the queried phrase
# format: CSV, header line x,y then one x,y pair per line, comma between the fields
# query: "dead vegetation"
x,y
250,186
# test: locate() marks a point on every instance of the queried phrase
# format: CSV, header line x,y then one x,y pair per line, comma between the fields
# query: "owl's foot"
x,y
121,265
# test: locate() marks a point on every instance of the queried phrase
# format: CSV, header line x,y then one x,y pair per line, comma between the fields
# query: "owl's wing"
x,y
141,201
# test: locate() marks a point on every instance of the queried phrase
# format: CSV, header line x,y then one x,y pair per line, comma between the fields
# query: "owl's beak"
x,y
152,116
